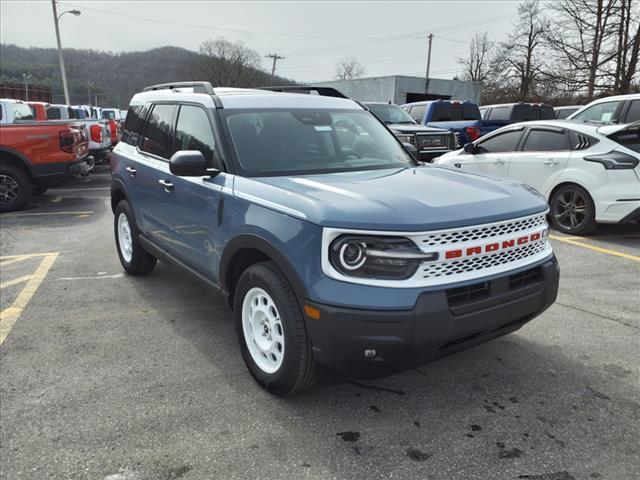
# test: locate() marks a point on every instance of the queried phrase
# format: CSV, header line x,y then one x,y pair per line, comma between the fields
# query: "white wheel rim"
x,y
124,237
263,330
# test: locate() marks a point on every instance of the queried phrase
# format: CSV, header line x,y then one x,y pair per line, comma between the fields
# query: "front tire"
x,y
573,211
133,257
16,189
271,331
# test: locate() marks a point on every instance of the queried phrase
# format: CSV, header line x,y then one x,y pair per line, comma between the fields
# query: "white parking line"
x,y
45,213
77,189
117,275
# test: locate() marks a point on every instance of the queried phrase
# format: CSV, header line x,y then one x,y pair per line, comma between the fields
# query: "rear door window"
x,y
545,141
157,135
503,142
193,132
22,112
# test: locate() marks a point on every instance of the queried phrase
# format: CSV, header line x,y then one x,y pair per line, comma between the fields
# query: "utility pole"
x,y
275,58
89,93
426,77
26,78
56,18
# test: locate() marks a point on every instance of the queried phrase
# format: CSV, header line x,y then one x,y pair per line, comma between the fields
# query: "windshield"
x,y
108,114
280,142
390,114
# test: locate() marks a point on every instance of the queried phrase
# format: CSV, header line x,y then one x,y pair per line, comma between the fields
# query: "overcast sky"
x,y
388,37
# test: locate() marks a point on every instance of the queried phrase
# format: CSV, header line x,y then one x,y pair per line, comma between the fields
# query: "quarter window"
x,y
500,113
193,132
633,115
544,141
504,142
134,123
417,112
156,138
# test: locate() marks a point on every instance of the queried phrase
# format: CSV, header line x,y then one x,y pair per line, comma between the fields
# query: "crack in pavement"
x,y
617,320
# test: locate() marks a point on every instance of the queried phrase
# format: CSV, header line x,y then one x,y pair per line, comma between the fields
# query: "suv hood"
x,y
408,199
415,128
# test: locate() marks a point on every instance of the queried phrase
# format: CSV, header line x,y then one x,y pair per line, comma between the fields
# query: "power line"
x,y
225,29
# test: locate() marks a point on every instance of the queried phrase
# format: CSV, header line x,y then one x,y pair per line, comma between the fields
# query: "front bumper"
x,y
441,322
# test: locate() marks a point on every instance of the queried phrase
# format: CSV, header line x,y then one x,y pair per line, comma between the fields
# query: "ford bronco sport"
x,y
331,243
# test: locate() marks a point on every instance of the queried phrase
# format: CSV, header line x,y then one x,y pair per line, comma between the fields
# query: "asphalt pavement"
x,y
111,377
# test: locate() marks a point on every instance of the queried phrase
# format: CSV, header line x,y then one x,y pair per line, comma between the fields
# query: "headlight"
x,y
406,138
389,258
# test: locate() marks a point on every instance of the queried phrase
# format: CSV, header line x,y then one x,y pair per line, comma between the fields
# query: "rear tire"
x,y
271,331
572,210
133,257
16,189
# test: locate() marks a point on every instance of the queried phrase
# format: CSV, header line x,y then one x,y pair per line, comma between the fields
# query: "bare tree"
x,y
519,58
349,68
628,45
476,66
229,64
583,39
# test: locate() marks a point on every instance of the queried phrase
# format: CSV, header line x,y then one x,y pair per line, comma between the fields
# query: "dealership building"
x,y
400,89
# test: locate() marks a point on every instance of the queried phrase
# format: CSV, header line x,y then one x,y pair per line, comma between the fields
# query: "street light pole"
x,y
89,93
63,72
26,78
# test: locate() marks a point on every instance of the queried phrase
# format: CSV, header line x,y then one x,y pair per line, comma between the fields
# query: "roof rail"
x,y
323,91
198,87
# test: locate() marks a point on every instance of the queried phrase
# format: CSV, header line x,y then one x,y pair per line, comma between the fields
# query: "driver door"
x,y
492,155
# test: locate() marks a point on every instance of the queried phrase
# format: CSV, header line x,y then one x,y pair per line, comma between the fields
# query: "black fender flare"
x,y
18,155
256,242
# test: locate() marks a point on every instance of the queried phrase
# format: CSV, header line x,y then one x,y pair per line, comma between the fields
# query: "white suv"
x,y
619,109
589,173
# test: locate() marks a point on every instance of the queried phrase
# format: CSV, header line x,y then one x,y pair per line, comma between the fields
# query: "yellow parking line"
x,y
9,315
45,213
608,251
15,281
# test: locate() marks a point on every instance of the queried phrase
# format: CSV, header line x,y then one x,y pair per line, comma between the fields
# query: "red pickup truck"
x,y
34,154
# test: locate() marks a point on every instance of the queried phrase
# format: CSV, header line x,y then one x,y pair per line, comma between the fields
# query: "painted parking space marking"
x,y
608,251
31,214
78,189
10,315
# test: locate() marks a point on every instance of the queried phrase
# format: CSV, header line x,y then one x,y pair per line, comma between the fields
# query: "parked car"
x,y
508,113
33,154
331,248
61,112
589,173
618,109
41,111
14,111
461,118
430,142
564,112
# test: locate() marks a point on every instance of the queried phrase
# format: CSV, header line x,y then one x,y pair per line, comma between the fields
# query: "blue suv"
x,y
331,244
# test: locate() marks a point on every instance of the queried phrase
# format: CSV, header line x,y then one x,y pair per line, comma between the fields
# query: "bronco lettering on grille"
x,y
492,247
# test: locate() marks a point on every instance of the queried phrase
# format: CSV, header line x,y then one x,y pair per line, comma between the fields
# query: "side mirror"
x,y
189,163
470,148
411,148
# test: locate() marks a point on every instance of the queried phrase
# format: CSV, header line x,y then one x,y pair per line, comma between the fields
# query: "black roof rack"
x,y
198,87
323,91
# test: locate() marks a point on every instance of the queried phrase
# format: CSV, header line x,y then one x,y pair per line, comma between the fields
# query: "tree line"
x,y
567,51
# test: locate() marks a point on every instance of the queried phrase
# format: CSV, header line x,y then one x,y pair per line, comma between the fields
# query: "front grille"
x,y
526,278
480,233
432,142
485,262
470,293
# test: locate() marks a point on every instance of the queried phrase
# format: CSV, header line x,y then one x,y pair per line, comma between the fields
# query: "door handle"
x,y
457,165
132,171
551,162
167,185
499,161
